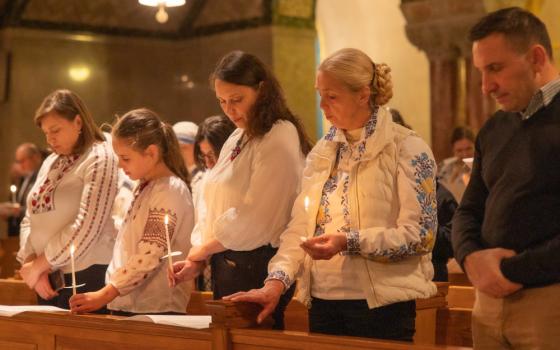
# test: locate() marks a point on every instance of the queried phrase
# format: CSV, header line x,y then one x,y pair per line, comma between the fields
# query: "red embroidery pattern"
x,y
98,204
154,232
137,191
42,199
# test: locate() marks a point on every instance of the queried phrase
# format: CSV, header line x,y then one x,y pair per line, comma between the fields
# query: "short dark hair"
x,y
520,27
462,132
216,131
241,68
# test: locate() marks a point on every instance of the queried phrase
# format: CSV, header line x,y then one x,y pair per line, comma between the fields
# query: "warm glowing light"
x,y
166,3
161,15
72,249
79,73
166,219
306,203
13,188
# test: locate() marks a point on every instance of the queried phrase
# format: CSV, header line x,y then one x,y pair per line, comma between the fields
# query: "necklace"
x,y
238,147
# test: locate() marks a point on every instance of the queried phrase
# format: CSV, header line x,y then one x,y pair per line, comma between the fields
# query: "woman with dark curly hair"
x,y
250,192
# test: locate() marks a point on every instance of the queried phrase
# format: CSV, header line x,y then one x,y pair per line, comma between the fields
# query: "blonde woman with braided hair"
x,y
363,226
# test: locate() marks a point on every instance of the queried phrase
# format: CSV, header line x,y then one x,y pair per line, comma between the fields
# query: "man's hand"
x,y
325,246
483,269
92,301
267,296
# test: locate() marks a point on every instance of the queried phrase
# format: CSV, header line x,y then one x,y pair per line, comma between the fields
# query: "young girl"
x,y
136,279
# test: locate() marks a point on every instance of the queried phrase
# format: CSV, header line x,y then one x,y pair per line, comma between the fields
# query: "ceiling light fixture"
x,y
161,14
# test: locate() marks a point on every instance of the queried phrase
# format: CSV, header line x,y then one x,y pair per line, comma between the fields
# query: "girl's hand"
x,y
185,270
325,246
88,302
43,287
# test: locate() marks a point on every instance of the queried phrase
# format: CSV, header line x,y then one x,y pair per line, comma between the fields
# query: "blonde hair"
x,y
355,69
142,128
69,105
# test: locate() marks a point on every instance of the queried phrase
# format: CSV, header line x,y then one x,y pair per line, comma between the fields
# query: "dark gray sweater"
x,y
513,198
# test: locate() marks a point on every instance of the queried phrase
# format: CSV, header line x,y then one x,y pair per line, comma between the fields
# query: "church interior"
x,y
120,55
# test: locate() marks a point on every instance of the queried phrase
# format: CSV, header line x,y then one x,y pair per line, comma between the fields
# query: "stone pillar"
x,y
439,28
478,107
293,57
443,101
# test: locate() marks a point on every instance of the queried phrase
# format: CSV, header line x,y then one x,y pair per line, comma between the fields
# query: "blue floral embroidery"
x,y
352,242
330,135
425,188
281,276
344,152
323,216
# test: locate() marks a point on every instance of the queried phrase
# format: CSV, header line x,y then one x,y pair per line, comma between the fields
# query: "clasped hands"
x,y
483,269
35,273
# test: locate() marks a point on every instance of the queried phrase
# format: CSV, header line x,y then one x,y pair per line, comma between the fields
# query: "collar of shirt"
x,y
542,98
338,135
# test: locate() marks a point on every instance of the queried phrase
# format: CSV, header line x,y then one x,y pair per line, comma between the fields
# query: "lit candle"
x,y
166,221
13,189
73,269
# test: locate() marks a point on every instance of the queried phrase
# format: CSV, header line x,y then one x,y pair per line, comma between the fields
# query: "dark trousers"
x,y
353,317
440,270
93,277
234,271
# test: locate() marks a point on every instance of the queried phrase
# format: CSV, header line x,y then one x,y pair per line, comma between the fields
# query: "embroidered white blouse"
x,y
136,270
71,203
249,199
330,277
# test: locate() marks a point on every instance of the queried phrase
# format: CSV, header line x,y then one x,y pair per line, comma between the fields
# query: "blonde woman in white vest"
x,y
362,228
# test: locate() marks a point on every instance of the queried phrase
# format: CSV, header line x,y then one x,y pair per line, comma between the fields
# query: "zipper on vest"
x,y
357,201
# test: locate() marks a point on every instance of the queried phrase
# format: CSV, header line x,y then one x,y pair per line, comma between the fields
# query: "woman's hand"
x,y
185,270
204,251
43,287
325,246
267,296
88,302
32,270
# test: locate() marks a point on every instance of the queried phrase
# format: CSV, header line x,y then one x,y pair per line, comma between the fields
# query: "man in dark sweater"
x,y
506,231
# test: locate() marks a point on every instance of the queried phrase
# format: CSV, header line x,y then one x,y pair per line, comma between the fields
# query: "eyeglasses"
x,y
210,156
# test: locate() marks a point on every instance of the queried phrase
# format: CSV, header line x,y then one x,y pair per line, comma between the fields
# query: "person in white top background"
x,y
365,221
186,133
210,138
251,189
70,202
136,278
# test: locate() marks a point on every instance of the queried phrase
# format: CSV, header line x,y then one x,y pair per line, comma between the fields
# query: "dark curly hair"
x,y
241,68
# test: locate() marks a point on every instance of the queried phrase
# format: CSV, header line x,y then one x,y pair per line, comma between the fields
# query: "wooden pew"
x,y
8,250
50,331
15,292
454,322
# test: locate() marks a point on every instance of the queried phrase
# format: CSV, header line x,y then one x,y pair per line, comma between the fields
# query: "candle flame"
x,y
72,249
306,202
166,219
13,188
